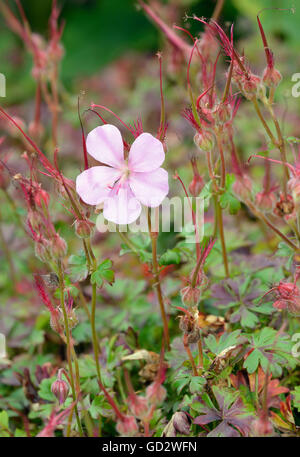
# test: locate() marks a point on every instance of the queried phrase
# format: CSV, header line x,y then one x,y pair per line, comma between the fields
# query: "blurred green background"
x,y
99,31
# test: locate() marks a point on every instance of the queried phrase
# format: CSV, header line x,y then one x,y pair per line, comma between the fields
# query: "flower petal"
x,y
94,185
105,144
122,207
150,188
146,153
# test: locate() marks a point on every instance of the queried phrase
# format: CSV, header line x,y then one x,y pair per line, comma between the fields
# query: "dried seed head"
x,y
285,206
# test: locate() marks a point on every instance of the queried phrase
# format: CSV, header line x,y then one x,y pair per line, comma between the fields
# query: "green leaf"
x,y
197,385
103,273
45,389
296,397
170,257
78,267
228,200
3,420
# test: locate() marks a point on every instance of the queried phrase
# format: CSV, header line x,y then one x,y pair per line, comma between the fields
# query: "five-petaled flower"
x,y
123,184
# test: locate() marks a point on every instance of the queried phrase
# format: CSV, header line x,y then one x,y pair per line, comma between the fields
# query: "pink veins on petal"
x,y
123,185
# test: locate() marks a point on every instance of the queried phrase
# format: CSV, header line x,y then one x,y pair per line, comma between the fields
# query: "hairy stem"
x,y
68,343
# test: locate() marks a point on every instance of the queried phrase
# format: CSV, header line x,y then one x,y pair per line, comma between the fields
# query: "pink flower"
x,y
124,183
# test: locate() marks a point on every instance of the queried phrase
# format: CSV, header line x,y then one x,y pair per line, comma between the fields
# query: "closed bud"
x,y
179,424
41,198
84,228
265,201
190,296
60,388
72,318
58,247
156,393
222,113
250,86
55,321
204,141
138,405
127,426
262,426
41,249
196,185
271,77
242,187
36,130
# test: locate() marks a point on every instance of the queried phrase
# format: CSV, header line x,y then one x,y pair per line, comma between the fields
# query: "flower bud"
x,y
250,86
156,393
36,130
222,113
127,426
138,405
60,388
84,228
265,201
242,187
72,318
204,141
41,249
190,296
179,424
58,247
262,427
196,185
55,319
41,198
271,77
